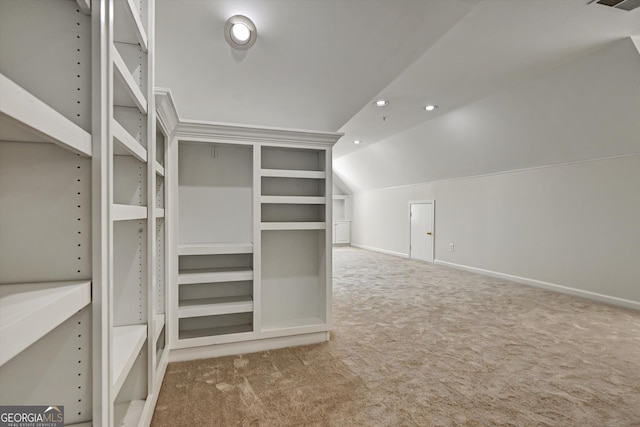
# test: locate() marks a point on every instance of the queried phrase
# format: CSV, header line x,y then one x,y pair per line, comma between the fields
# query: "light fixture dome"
x,y
240,32
381,103
430,107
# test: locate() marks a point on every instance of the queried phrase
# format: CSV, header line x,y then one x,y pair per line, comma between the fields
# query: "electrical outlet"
x,y
451,247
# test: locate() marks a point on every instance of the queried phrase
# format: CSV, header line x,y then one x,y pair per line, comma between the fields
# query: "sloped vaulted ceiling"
x,y
520,83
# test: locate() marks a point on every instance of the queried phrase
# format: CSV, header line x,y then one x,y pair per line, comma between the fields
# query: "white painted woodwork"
x,y
127,343
159,169
129,413
127,92
159,324
293,226
421,224
127,144
341,232
28,311
215,248
26,118
128,26
215,306
215,275
85,6
128,212
285,173
294,200
89,343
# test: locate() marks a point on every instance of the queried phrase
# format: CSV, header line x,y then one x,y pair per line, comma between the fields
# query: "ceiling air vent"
x,y
620,4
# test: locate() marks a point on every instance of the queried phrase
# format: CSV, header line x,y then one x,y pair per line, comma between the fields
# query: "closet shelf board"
x,y
28,311
215,248
158,325
25,118
159,169
132,90
127,343
293,200
215,275
293,226
129,413
285,173
209,332
128,212
127,144
128,26
215,306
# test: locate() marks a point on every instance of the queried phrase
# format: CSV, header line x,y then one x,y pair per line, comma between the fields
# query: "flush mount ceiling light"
x,y
430,107
240,32
357,141
381,103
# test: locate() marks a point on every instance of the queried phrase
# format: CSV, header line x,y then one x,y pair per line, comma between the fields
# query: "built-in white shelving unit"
x,y
253,252
45,216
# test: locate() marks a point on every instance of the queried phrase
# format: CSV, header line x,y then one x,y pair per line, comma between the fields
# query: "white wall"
x,y
588,108
574,225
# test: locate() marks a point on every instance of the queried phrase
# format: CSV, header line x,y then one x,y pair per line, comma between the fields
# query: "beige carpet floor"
x,y
416,344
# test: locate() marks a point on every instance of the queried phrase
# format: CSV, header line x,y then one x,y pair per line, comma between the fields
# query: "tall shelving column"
x,y
295,221
45,216
215,282
131,192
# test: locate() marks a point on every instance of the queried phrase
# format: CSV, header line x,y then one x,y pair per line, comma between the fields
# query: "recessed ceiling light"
x,y
381,103
430,107
240,32
357,141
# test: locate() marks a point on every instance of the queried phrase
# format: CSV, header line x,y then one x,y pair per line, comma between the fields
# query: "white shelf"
x,y
127,24
128,212
212,332
215,275
293,226
294,200
127,144
133,95
127,343
85,7
159,212
285,173
158,325
215,306
129,413
159,168
29,311
292,323
215,248
25,118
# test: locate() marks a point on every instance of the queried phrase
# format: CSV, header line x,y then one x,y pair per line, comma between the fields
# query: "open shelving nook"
x,y
215,267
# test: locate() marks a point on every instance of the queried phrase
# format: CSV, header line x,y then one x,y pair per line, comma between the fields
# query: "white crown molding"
x,y
203,131
166,111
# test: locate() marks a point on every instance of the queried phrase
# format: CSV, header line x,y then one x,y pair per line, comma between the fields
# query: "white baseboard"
x,y
546,285
244,347
382,251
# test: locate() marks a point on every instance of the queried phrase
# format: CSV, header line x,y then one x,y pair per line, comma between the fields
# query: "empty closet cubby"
x,y
215,280
293,269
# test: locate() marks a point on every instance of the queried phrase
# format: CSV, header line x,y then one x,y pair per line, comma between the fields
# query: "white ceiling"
x,y
319,64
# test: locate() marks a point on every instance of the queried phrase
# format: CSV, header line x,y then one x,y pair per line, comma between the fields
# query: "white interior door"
x,y
421,231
